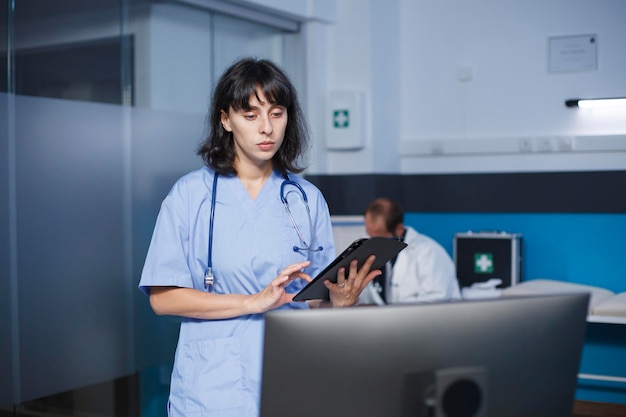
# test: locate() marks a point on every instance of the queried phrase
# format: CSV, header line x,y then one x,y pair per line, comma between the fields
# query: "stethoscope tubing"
x,y
211,220
295,184
209,280
208,274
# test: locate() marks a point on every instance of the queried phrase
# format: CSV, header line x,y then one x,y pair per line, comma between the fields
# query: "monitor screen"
x,y
513,357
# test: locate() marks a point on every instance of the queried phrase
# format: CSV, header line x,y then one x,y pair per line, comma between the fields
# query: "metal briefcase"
x,y
481,256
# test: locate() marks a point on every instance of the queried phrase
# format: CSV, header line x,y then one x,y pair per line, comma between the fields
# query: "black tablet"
x,y
384,248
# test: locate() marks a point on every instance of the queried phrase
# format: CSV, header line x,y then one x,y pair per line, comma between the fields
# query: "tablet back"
x,y
384,248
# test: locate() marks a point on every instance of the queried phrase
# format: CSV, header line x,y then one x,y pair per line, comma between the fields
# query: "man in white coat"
x,y
422,272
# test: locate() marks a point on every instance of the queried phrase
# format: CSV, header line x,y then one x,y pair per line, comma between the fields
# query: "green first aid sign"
x,y
483,263
341,118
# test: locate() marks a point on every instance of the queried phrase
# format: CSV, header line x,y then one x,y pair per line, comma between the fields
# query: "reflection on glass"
x,y
4,42
86,71
69,50
118,397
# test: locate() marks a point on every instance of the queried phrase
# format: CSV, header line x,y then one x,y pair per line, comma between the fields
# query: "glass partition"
x,y
102,108
7,277
8,317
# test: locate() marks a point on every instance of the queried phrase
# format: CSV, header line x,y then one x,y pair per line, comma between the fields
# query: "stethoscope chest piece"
x,y
209,279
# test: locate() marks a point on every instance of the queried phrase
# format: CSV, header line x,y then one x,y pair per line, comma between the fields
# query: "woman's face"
x,y
257,132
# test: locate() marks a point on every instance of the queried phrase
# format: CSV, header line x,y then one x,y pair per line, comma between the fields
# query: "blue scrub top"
x,y
217,366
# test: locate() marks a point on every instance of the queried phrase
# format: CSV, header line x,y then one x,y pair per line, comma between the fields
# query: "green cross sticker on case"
x,y
483,263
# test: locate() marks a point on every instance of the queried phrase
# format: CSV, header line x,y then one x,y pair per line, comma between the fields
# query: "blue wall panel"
x,y
580,248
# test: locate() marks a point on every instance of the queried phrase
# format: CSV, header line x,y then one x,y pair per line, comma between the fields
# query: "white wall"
x,y
405,56
351,65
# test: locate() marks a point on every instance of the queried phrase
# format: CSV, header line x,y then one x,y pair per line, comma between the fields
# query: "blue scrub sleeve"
x,y
166,261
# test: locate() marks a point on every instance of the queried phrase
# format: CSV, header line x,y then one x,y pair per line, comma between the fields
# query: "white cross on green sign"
x,y
483,263
341,118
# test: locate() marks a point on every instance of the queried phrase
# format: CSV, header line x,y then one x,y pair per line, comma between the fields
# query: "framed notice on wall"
x,y
573,53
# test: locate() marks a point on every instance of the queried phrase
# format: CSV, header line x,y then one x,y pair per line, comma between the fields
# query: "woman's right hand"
x,y
275,294
193,303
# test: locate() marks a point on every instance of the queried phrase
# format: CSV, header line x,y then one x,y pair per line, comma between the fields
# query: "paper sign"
x,y
573,53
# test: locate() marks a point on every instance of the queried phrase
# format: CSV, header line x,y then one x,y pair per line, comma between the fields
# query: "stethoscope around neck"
x,y
209,278
305,200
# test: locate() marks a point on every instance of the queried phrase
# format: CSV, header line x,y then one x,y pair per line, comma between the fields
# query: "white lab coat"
x,y
423,272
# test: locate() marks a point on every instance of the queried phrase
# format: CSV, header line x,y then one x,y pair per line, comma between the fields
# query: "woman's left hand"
x,y
348,288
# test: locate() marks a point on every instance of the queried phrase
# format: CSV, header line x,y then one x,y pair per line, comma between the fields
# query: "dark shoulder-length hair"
x,y
233,90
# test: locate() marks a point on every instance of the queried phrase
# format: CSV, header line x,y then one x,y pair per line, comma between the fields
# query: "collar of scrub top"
x,y
209,278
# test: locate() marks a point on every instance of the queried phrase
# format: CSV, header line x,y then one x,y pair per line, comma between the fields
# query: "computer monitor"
x,y
508,357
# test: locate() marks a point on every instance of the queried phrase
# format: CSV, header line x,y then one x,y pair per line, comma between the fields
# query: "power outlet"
x,y
565,143
436,147
525,145
545,145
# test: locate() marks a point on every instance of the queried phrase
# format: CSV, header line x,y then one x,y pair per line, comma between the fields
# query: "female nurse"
x,y
225,249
